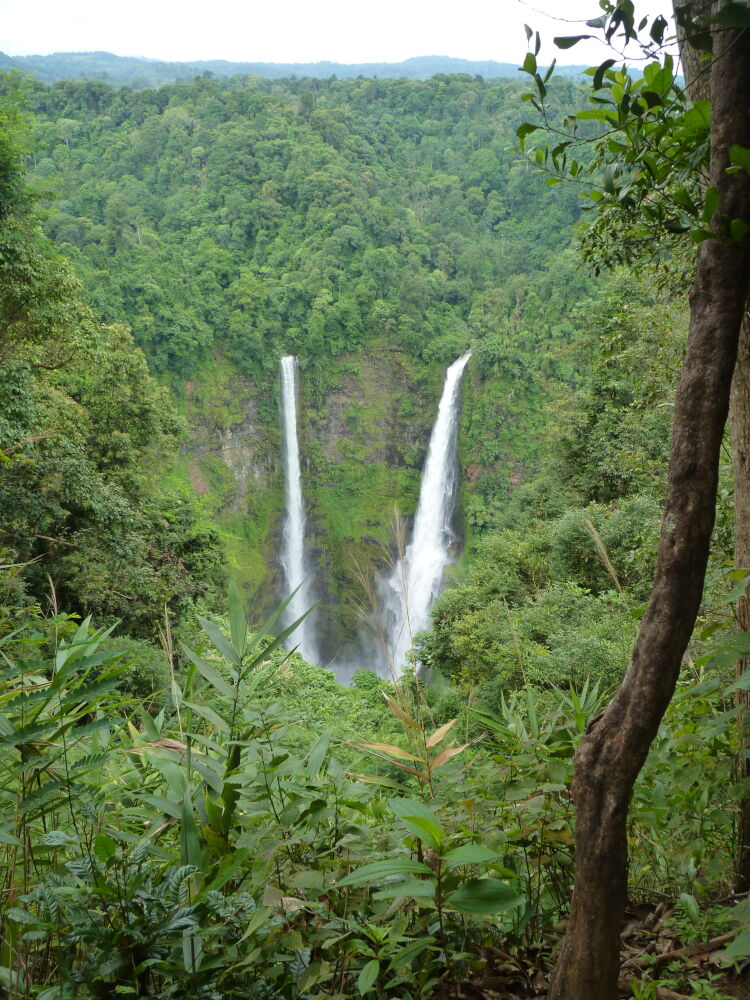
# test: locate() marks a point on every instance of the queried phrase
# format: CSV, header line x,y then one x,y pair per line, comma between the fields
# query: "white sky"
x,y
299,30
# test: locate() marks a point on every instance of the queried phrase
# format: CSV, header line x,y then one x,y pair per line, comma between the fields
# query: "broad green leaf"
x,y
367,977
412,888
469,854
311,878
419,819
19,916
379,870
104,847
738,949
482,896
740,157
59,838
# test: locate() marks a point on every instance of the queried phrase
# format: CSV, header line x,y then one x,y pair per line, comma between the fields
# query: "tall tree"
x,y
616,744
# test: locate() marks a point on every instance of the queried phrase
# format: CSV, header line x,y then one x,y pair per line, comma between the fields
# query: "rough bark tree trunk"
x,y
740,429
616,743
697,79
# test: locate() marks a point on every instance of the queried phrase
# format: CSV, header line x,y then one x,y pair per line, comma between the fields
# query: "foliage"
x,y
80,496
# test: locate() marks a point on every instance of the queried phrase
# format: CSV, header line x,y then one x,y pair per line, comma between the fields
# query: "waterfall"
x,y
417,577
293,540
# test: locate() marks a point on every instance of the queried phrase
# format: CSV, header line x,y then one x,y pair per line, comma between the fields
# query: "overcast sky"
x,y
297,30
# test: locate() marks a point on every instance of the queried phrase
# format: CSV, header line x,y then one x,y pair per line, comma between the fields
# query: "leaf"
x,y
10,839
568,41
733,16
371,779
738,949
409,952
740,157
438,735
600,71
738,590
272,896
237,620
19,916
212,717
446,755
523,130
738,230
208,673
367,977
318,753
104,847
481,896
690,906
419,819
58,838
469,854
393,751
658,28
710,205
219,640
529,63
399,712
190,841
379,870
412,888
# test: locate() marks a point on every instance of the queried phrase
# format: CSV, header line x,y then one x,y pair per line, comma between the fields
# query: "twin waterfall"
x,y
296,574
410,591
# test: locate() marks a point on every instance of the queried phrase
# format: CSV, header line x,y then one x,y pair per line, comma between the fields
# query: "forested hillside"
x,y
375,229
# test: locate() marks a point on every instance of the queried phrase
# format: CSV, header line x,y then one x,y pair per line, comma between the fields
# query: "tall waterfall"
x,y
293,541
417,577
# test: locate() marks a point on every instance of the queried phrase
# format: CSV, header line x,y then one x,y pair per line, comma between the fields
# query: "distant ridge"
x,y
137,72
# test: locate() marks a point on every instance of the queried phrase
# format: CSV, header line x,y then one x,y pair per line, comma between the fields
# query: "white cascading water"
x,y
418,575
293,540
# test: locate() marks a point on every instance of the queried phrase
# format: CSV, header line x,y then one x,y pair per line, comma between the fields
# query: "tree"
x,y
616,743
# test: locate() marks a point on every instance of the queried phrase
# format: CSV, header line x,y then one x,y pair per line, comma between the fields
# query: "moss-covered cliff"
x,y
364,432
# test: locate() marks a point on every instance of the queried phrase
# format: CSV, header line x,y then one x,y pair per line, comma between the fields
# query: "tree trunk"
x,y
740,424
695,69
616,743
697,79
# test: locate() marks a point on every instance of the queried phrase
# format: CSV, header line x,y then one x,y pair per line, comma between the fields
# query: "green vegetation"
x,y
373,228
187,809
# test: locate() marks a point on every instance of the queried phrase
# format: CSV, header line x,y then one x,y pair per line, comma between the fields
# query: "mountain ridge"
x,y
137,71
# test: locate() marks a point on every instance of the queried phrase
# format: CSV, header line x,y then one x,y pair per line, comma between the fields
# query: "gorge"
x,y
407,594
